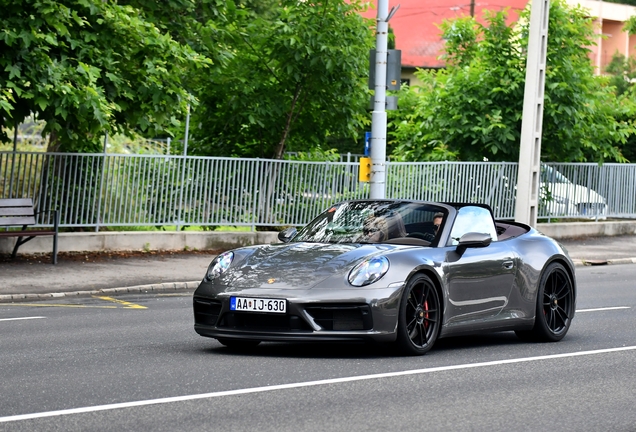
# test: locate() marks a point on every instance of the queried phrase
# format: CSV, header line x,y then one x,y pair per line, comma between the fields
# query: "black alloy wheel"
x,y
555,306
419,319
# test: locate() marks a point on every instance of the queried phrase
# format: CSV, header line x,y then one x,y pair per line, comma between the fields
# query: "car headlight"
x,y
369,271
219,265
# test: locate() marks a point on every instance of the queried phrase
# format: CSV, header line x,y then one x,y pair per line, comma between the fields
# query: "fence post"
x,y
15,149
101,186
184,159
257,193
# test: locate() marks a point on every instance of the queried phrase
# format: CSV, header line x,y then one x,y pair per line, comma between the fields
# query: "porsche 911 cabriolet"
x,y
390,271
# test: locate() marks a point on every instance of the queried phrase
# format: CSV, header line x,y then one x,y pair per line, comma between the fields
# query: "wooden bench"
x,y
19,212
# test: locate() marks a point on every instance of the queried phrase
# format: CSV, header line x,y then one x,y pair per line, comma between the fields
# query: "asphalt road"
x,y
135,363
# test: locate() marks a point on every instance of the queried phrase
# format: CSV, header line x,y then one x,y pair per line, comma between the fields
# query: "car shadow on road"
x,y
480,341
362,350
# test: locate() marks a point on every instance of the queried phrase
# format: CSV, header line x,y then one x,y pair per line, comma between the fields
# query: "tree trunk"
x,y
280,148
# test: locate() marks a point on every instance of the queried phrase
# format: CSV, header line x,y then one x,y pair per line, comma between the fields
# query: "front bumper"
x,y
312,315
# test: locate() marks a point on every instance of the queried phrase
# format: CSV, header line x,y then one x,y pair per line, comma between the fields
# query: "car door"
x,y
479,281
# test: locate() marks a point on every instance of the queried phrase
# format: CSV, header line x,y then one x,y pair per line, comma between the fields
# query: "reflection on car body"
x,y
340,280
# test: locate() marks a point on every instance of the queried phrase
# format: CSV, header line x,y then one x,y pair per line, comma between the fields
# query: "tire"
x,y
555,306
239,343
419,319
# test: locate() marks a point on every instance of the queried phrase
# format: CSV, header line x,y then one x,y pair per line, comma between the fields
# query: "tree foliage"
x,y
626,2
89,67
296,79
622,75
271,74
472,109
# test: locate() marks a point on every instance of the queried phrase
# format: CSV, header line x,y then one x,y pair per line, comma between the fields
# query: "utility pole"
x,y
528,194
377,182
378,116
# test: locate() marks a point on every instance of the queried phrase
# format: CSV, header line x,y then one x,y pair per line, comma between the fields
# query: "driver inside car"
x,y
375,229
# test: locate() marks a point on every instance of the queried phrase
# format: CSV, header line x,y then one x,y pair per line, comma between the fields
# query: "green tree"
x,y
622,72
297,78
88,67
472,109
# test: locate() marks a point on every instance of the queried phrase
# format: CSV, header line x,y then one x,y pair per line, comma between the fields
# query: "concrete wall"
x,y
588,229
141,240
161,240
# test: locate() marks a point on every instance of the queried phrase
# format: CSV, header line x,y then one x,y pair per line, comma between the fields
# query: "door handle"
x,y
508,265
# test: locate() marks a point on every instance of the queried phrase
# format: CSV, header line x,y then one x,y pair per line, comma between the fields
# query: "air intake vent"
x,y
264,322
206,312
342,318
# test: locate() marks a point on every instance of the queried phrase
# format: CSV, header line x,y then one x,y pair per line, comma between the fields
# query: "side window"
x,y
473,219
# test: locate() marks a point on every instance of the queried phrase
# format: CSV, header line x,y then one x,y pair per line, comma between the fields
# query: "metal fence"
x,y
98,190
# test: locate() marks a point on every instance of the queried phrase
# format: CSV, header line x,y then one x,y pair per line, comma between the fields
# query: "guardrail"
x,y
99,190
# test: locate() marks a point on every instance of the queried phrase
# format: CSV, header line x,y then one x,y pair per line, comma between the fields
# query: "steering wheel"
x,y
423,236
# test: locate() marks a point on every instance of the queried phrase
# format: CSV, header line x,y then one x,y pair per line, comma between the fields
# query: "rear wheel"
x,y
419,319
555,306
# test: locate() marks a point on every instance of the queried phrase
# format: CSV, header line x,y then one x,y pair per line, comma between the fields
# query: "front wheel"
x,y
555,306
419,319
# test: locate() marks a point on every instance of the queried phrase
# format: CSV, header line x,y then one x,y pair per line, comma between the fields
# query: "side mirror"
x,y
473,240
287,234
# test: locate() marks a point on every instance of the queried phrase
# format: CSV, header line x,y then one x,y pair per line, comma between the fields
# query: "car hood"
x,y
294,265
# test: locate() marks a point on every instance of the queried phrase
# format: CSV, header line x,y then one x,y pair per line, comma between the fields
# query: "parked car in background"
x,y
561,197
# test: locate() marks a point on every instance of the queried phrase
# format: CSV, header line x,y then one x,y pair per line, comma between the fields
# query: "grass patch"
x,y
168,228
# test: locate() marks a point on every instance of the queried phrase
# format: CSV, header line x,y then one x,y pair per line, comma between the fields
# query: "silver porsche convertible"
x,y
390,271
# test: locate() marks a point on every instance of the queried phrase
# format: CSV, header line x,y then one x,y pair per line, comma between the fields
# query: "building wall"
x,y
610,20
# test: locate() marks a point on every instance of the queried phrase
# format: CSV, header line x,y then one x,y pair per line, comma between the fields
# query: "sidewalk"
x,y
26,279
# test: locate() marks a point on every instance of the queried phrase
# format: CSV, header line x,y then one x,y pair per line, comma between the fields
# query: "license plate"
x,y
250,304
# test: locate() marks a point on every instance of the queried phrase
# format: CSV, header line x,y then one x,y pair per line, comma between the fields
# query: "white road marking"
x,y
21,318
301,385
603,309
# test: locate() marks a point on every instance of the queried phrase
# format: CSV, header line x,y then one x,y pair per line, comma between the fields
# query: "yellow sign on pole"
x,y
365,169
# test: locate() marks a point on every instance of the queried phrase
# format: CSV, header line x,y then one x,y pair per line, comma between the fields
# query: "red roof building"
x,y
610,20
416,26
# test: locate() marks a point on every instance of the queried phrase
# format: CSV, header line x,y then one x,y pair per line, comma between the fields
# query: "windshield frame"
x,y
354,222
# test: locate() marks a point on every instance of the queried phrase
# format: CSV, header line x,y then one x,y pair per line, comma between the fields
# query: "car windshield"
x,y
373,222
550,175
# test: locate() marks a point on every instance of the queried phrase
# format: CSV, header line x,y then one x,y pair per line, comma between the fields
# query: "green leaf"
x,y
41,102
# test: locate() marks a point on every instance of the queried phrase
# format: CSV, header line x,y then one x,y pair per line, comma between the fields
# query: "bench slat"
x,y
17,220
16,211
16,202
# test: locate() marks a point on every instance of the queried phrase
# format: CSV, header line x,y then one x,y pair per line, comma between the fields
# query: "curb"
x,y
172,286
583,263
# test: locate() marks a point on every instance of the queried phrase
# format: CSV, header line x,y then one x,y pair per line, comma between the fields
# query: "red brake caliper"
x,y
426,314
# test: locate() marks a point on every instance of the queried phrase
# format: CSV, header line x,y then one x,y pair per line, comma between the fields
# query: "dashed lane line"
x,y
603,309
22,318
125,304
62,305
